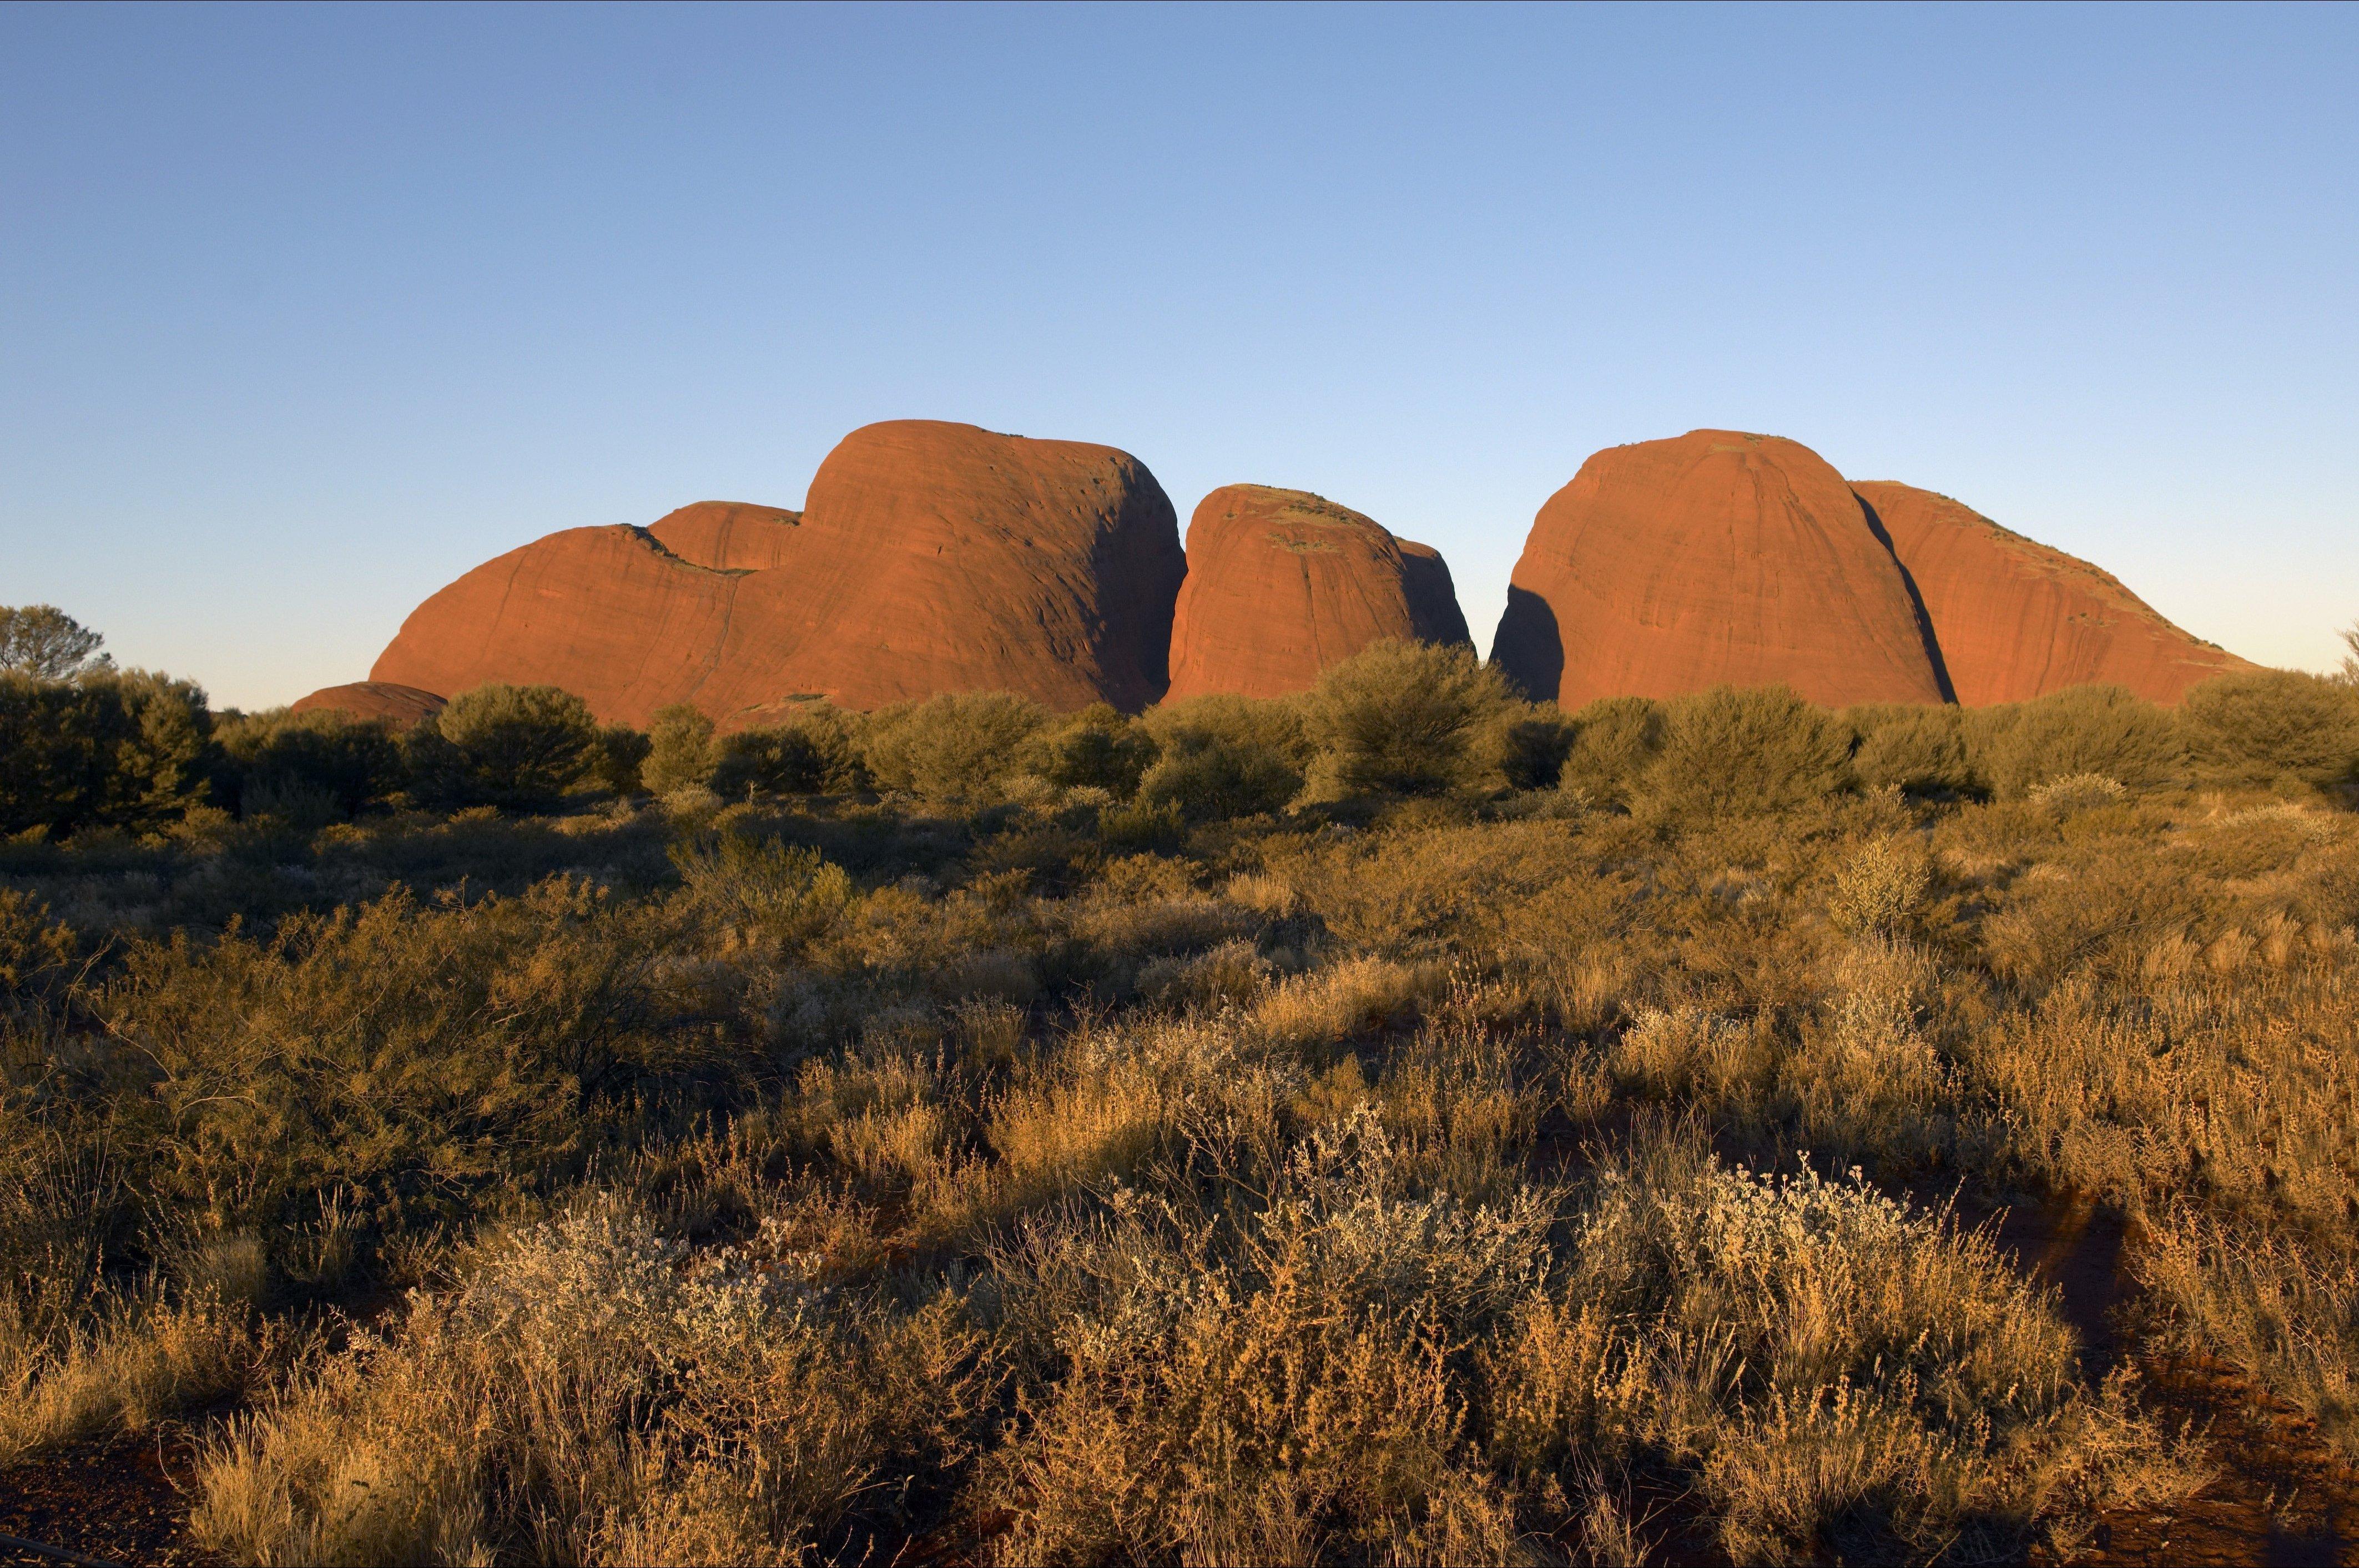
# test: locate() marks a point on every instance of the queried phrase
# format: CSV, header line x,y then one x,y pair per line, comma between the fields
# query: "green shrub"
x,y
1735,752
1222,756
1532,745
1915,747
108,748
680,749
2102,730
503,746
1615,743
2262,725
274,755
621,752
960,748
1099,748
810,754
1404,718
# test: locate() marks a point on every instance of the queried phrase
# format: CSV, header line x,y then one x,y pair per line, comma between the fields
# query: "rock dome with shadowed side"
x,y
937,557
400,706
1715,557
733,536
1282,584
607,613
2015,619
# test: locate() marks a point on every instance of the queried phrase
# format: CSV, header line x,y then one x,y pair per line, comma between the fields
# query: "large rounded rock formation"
x,y
1282,584
2016,618
400,706
1715,557
937,557
928,557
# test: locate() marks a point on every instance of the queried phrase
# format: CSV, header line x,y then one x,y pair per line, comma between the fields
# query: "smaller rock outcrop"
x,y
729,536
2016,618
400,706
1282,584
607,613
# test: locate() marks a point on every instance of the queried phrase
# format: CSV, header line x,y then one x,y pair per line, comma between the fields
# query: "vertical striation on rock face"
x,y
1718,556
2016,618
928,558
400,706
729,535
1282,584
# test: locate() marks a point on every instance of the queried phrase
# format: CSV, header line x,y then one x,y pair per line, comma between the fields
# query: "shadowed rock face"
x,y
1282,584
2015,619
1670,566
928,558
400,706
733,536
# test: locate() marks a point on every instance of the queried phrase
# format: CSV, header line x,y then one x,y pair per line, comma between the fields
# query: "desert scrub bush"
x,y
1097,748
1916,746
1219,757
960,748
2085,729
415,1056
107,748
592,1391
1834,1369
1735,751
1532,744
1880,889
356,763
682,750
522,746
1615,743
617,757
2261,726
1260,1387
763,892
815,750
1407,718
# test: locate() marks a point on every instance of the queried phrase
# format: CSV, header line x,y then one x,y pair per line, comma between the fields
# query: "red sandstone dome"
x,y
2015,619
930,557
400,706
1282,584
1670,566
731,536
937,557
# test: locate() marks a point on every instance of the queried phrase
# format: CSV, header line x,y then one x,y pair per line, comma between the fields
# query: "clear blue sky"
x,y
305,311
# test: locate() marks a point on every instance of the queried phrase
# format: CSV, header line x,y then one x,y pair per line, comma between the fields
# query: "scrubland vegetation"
x,y
1402,1124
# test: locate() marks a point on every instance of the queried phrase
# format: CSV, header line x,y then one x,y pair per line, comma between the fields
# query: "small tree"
x,y
1733,752
44,642
2349,673
109,749
1405,718
505,745
621,753
680,749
